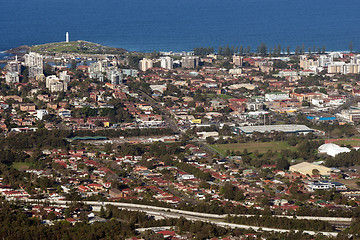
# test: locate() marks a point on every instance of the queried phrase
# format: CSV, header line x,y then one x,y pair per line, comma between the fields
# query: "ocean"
x,y
181,25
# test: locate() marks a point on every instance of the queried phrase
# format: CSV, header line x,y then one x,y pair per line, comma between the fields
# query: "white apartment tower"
x,y
167,62
238,61
12,77
145,64
34,62
54,84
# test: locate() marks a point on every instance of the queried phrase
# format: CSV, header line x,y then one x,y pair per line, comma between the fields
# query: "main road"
x,y
193,216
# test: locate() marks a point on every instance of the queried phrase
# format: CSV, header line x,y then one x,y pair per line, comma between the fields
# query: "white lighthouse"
x,y
67,36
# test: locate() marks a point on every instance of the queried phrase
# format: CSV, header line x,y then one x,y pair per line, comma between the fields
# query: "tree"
x,y
241,50
315,172
73,65
200,109
351,46
220,50
102,212
282,164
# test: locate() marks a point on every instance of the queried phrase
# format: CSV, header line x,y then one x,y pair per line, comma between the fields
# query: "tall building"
x,y
54,84
34,62
12,77
238,61
14,66
97,68
167,62
145,64
189,62
307,63
64,76
114,76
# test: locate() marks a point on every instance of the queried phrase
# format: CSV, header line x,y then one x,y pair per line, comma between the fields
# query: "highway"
x,y
193,216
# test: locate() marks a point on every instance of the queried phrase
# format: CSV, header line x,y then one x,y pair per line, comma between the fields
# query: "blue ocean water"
x,y
147,25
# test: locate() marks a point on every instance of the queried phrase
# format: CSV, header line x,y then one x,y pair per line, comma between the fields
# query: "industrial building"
x,y
286,128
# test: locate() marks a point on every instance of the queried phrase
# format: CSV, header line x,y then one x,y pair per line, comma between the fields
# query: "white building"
x,y
145,64
67,37
64,76
54,84
167,62
115,77
34,62
11,77
276,96
332,149
41,113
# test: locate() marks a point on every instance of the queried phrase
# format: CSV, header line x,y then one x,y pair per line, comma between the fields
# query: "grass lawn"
x,y
262,147
22,166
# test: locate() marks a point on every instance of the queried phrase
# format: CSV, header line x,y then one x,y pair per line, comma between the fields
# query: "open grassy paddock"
x,y
22,165
262,147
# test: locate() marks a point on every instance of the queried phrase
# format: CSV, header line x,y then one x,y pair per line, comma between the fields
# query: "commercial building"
x,y
286,128
307,168
275,96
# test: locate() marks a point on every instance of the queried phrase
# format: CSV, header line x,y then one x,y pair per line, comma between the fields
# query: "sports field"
x,y
262,147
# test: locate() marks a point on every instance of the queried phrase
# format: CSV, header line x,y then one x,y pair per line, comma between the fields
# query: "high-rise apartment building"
x,y
34,62
54,84
238,61
12,77
189,62
167,62
145,64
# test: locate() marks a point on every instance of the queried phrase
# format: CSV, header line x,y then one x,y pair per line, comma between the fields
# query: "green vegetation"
x,y
285,223
21,165
261,147
76,47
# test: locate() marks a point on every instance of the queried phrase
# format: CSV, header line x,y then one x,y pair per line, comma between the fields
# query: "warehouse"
x,y
288,128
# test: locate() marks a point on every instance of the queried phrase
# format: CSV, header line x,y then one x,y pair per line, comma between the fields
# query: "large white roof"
x,y
332,149
287,128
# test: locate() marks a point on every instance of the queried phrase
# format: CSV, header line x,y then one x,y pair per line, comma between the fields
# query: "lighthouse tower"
x,y
67,36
